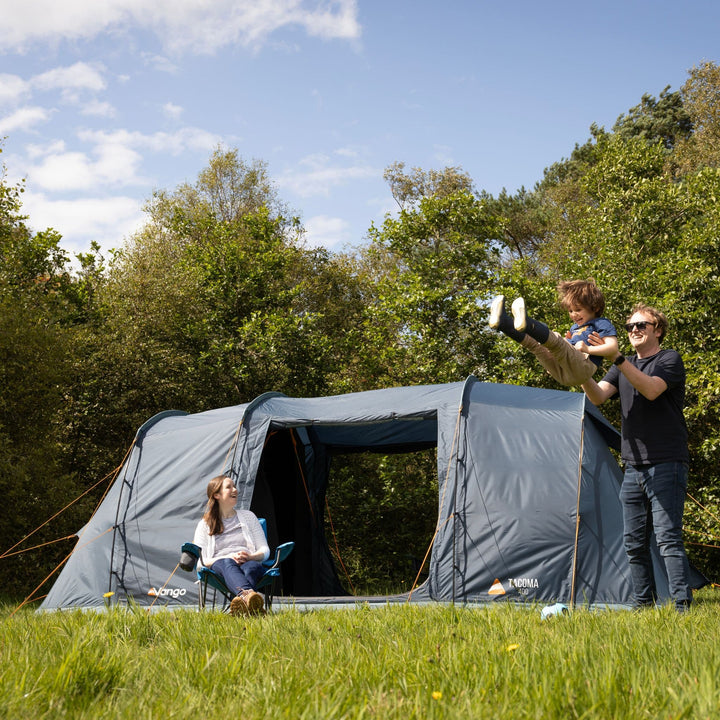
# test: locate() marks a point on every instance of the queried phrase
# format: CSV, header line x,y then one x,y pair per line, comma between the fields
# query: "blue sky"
x,y
103,102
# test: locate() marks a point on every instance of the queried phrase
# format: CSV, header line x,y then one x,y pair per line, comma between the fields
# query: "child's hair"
x,y
584,293
661,322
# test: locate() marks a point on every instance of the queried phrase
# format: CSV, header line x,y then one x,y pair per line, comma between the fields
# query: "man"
x,y
651,386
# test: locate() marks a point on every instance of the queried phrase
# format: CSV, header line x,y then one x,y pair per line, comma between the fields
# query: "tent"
x,y
528,506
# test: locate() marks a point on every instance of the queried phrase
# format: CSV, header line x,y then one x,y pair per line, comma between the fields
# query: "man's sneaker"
x,y
518,311
238,606
254,602
497,310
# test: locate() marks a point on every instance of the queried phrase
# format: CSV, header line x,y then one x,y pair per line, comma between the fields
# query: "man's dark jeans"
x,y
653,498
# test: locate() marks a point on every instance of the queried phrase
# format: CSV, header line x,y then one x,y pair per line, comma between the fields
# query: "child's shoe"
x,y
519,313
534,328
497,311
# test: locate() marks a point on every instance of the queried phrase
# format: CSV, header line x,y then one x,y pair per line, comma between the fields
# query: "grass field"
x,y
407,661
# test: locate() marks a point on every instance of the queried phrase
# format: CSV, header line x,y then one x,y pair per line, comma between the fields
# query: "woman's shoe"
x,y
254,602
239,606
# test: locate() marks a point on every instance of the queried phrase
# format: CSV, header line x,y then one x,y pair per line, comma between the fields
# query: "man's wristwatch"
x,y
619,360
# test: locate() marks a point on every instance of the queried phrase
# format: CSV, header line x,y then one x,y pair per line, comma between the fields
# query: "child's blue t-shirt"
x,y
602,326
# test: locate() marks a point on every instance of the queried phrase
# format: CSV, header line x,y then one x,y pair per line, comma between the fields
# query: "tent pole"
x,y
456,451
454,537
232,449
123,467
577,514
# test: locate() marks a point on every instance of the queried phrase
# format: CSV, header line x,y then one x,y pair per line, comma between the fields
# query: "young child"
x,y
571,361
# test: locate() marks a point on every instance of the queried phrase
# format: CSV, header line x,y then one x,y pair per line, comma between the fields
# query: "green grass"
x,y
402,662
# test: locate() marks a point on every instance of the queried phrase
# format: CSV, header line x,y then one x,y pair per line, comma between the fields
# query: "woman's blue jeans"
x,y
239,577
653,498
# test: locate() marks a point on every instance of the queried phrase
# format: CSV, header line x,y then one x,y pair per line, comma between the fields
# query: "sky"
x,y
104,102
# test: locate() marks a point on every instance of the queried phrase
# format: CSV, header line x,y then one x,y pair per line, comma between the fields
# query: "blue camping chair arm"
x,y
281,552
191,559
272,565
190,556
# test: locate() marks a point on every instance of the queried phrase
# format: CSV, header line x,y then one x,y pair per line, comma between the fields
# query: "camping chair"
x,y
191,559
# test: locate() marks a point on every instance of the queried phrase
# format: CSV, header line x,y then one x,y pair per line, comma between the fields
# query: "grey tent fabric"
x,y
528,506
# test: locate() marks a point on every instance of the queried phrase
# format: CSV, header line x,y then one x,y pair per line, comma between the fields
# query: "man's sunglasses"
x,y
639,325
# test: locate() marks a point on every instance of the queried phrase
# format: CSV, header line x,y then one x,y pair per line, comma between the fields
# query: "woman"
x,y
233,544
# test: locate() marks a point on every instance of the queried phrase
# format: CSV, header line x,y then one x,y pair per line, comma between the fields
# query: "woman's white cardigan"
x,y
253,534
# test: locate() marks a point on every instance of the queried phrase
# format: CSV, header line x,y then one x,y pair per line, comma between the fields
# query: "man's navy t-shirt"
x,y
653,431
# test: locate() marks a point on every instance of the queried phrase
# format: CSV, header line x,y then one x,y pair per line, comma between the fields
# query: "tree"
x,y
36,336
213,302
663,119
430,270
701,100
232,188
408,189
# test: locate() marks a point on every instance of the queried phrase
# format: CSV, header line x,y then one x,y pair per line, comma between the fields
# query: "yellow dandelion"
x,y
437,695
512,647
108,594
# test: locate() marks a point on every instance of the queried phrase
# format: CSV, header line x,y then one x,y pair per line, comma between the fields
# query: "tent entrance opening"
x,y
380,517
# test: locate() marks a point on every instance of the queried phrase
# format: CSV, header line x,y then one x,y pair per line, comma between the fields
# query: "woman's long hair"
x,y
212,509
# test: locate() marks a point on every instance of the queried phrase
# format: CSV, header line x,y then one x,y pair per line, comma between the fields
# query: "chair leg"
x,y
270,594
202,594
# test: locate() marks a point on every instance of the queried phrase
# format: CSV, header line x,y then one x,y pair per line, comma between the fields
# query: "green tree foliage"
x,y
430,270
409,188
213,302
701,100
36,332
397,498
663,119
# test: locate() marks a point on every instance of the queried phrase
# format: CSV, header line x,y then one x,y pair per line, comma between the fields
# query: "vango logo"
x,y
167,592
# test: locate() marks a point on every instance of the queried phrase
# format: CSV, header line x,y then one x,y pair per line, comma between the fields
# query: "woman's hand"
x,y
241,557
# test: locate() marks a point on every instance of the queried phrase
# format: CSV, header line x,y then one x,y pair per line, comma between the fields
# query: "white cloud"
x,y
188,138
98,108
113,159
172,111
343,23
160,63
316,176
47,20
347,152
182,25
70,80
114,165
106,220
24,119
443,154
325,231
52,148
12,89
79,76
